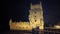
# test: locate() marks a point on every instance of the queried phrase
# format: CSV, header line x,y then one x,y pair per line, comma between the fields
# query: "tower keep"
x,y
36,16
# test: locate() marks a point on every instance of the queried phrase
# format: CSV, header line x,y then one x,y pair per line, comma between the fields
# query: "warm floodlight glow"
x,y
35,19
57,26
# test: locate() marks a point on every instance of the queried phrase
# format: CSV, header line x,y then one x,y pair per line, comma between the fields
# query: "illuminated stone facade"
x,y
36,16
35,19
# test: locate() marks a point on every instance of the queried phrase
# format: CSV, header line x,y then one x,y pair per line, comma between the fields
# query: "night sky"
x,y
51,10
18,10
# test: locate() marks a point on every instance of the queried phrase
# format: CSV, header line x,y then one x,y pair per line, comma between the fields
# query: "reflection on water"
x,y
46,31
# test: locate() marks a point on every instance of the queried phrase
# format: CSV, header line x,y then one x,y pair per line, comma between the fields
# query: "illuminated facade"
x,y
35,19
36,16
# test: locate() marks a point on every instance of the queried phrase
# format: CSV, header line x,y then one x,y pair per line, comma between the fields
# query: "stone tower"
x,y
36,16
35,19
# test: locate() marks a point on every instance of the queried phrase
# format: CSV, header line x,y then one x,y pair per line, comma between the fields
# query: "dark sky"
x,y
51,9
18,10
